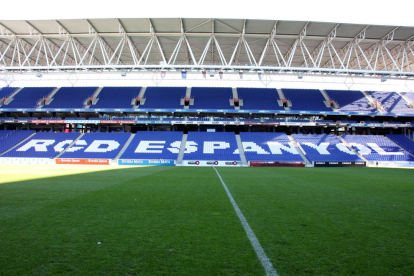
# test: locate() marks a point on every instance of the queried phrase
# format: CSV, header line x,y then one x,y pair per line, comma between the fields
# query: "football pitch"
x,y
72,220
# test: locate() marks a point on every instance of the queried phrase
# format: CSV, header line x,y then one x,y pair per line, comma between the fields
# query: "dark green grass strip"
x,y
330,221
151,221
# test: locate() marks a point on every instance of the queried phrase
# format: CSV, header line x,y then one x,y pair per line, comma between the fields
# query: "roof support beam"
x,y
47,44
317,54
105,48
237,49
84,53
291,52
134,51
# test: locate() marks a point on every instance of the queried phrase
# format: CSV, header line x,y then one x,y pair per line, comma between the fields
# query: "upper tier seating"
x,y
306,99
99,118
164,97
402,141
322,147
211,146
211,97
97,145
7,91
116,97
51,118
154,145
43,145
71,97
268,146
409,95
378,148
10,138
27,118
123,118
391,101
28,97
75,118
352,101
259,98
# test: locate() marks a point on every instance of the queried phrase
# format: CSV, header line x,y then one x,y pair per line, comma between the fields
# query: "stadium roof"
x,y
206,44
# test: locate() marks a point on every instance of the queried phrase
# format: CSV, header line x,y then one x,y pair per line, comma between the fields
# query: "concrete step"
x,y
70,145
181,152
243,158
125,146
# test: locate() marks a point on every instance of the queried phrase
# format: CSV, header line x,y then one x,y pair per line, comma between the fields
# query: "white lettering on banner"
x,y
361,148
61,145
95,146
77,143
37,144
381,151
322,148
210,146
145,147
175,147
276,148
252,147
190,147
342,147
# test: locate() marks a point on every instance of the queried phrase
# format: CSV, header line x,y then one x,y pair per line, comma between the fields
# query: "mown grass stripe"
x,y
264,260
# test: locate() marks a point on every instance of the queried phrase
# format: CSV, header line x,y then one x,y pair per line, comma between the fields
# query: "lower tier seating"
x,y
97,145
154,145
218,146
378,148
322,147
43,145
268,146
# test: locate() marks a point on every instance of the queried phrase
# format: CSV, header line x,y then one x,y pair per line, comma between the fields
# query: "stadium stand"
x,y
259,98
71,97
211,97
7,91
154,145
123,118
7,118
51,118
27,118
306,99
262,146
216,146
97,145
402,141
352,101
164,97
116,97
75,118
391,102
42,145
409,96
10,138
322,147
28,97
377,148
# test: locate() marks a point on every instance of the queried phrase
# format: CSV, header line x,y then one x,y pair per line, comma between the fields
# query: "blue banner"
x,y
202,110
138,162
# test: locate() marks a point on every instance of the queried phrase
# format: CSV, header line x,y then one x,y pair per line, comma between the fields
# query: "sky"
x,y
395,12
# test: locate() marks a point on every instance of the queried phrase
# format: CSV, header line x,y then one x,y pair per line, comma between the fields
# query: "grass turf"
x,y
179,221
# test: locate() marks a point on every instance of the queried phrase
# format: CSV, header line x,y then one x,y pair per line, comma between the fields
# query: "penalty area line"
x,y
264,260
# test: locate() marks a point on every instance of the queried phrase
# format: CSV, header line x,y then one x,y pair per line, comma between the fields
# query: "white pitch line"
x,y
264,260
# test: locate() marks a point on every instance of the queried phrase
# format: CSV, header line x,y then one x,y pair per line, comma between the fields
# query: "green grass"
x,y
179,221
